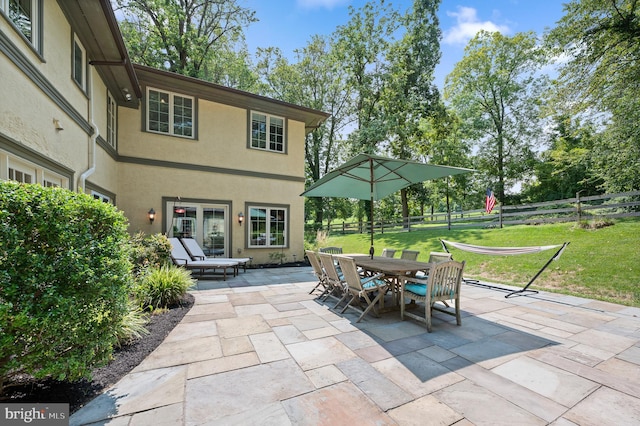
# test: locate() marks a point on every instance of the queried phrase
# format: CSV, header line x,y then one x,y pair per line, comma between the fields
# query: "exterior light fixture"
x,y
240,218
151,215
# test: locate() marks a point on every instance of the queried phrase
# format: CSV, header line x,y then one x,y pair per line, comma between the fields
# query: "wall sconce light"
x,y
58,125
151,215
240,218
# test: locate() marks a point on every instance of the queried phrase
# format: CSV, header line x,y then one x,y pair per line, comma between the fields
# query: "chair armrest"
x,y
179,261
404,278
199,257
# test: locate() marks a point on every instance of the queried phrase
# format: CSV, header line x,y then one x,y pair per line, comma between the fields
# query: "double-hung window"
x,y
25,16
78,63
112,121
267,226
170,113
267,132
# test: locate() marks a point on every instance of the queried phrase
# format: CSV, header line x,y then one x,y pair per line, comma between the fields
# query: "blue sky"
x,y
289,24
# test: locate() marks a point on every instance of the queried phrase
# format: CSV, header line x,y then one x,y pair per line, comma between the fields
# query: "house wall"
x,y
218,166
146,169
38,89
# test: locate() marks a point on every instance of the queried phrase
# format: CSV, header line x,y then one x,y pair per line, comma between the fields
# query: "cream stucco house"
x,y
218,164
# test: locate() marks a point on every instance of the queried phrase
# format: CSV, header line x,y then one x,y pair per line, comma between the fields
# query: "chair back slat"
x,y
409,254
445,280
388,252
350,272
315,263
437,257
331,250
326,260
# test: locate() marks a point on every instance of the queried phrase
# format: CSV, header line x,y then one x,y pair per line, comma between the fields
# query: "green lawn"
x,y
601,264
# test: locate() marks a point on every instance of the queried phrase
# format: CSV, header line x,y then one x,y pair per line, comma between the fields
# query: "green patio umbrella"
x,y
371,177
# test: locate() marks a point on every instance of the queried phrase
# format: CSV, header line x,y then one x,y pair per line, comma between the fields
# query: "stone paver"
x,y
257,349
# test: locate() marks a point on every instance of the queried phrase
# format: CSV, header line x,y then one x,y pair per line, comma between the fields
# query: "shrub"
x,y
163,287
65,277
149,251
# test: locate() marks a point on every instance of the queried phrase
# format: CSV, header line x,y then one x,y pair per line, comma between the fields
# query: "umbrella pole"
x,y
371,249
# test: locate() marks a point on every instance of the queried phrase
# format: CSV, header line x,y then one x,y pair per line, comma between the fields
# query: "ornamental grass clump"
x,y
163,287
65,280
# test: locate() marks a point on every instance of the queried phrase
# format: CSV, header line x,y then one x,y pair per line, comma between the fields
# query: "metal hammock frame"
x,y
507,251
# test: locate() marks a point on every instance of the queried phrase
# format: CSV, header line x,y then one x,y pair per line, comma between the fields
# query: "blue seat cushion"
x,y
372,283
421,289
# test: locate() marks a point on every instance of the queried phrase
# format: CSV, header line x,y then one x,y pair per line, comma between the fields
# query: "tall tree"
x,y
362,45
599,42
317,80
409,94
182,36
495,90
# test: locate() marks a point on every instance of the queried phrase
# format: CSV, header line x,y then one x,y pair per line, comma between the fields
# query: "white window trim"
x,y
268,141
39,174
83,84
100,196
172,96
36,19
268,227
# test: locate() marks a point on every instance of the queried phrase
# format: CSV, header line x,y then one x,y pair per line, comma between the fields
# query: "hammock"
x,y
507,251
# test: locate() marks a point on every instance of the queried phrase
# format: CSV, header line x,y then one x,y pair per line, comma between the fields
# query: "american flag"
x,y
491,201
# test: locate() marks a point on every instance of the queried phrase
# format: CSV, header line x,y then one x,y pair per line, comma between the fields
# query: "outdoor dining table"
x,y
392,268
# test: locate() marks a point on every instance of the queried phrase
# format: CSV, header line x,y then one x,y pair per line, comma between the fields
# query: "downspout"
x,y
92,140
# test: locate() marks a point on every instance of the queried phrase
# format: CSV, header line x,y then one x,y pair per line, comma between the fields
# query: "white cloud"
x,y
318,4
468,25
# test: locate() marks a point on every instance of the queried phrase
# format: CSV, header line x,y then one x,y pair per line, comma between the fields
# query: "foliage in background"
x,y
163,287
598,44
65,277
495,90
599,263
197,38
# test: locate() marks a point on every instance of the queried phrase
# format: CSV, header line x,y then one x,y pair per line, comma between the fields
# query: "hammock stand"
x,y
506,251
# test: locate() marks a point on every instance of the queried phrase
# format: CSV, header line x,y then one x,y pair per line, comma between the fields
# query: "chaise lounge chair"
x,y
180,257
196,253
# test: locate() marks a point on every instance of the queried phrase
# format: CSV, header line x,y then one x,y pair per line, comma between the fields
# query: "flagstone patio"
x,y
257,349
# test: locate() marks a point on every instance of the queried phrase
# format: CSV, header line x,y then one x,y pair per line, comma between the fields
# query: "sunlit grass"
x,y
602,264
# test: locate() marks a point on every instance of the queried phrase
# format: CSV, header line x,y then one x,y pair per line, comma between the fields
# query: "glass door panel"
x,y
215,235
208,224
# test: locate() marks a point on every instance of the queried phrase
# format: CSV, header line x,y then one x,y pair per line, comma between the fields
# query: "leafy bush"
x,y
163,287
149,251
65,277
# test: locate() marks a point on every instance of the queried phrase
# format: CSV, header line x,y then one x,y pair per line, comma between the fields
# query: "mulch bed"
x,y
126,358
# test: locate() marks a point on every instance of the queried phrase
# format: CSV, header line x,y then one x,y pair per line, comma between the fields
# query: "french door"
x,y
208,224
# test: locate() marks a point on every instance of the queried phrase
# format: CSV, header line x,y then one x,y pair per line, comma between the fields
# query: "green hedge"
x,y
65,276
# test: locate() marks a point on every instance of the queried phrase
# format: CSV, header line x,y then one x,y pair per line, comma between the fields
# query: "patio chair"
x,y
195,251
388,252
318,272
331,250
361,288
443,284
409,254
335,280
180,257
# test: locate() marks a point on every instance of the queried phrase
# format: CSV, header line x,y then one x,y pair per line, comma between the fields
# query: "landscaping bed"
x,y
126,358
